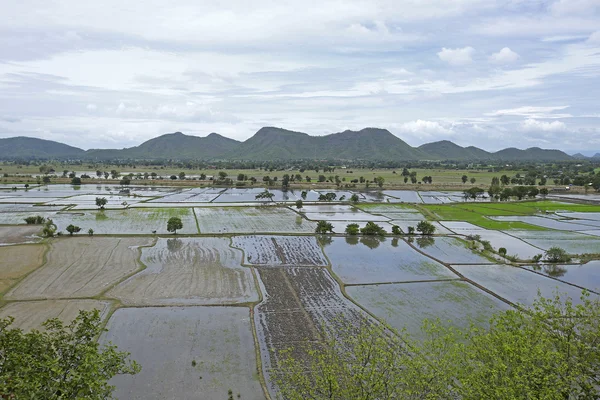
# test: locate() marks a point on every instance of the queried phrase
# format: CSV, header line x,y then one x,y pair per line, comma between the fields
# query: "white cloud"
x,y
594,38
574,7
531,112
91,107
534,125
461,56
424,127
504,56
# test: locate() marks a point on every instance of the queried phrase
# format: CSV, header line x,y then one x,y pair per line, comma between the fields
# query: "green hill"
x,y
447,150
26,147
531,154
367,144
171,146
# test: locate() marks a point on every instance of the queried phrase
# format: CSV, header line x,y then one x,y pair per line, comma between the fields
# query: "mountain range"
x,y
271,143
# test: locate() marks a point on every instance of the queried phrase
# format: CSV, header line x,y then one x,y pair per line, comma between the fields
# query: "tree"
x,y
90,232
173,224
63,362
125,181
396,230
182,175
371,228
547,351
544,192
264,195
502,251
323,227
472,180
76,181
304,194
298,204
73,229
46,179
426,228
101,202
505,180
222,175
379,181
114,174
49,228
557,255
411,230
354,198
352,229
464,178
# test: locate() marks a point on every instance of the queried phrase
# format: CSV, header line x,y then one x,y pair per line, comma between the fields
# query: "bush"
x,y
76,181
537,258
372,229
426,228
487,246
35,220
502,251
557,255
352,229
396,230
324,227
411,230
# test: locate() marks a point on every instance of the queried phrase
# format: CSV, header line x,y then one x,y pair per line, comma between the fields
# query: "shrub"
x,y
324,227
426,228
557,255
372,229
502,251
396,230
352,229
411,230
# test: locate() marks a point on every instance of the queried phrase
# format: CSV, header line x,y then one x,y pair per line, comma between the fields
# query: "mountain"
x,y
531,154
597,155
447,150
579,156
271,143
171,146
26,147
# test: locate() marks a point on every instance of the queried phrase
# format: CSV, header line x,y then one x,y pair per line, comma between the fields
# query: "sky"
x,y
488,73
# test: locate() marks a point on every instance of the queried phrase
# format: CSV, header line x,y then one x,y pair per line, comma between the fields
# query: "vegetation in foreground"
x,y
62,362
548,351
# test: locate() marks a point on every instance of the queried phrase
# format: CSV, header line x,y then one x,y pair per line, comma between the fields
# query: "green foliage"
x,y
298,204
90,232
173,224
63,362
372,229
548,351
101,202
379,181
426,228
76,181
396,230
49,228
35,220
264,195
537,258
352,229
324,227
557,255
502,251
327,196
73,229
354,198
411,230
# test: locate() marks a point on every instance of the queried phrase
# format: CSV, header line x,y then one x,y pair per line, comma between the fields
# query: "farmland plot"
x,y
189,271
515,284
405,196
18,218
461,227
32,314
80,267
344,216
565,225
513,245
186,353
128,222
5,207
406,305
251,220
190,195
449,250
299,301
375,260
19,234
18,261
572,242
583,275
87,201
280,250
236,195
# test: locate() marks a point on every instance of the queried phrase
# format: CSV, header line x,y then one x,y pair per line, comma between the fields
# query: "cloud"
x,y
531,112
456,57
594,38
91,107
424,127
533,125
504,56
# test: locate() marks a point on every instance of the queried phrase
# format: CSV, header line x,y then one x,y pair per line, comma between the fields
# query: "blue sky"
x,y
487,73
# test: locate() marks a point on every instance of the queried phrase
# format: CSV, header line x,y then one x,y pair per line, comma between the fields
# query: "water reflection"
x,y
554,270
324,240
352,240
425,241
372,242
174,245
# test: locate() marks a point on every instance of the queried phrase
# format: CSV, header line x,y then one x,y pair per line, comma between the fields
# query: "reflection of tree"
x,y
425,241
174,245
371,242
395,242
298,220
411,239
352,240
554,271
324,240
